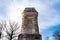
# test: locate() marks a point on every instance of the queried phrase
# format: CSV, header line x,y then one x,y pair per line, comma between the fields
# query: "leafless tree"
x,y
57,35
2,26
11,30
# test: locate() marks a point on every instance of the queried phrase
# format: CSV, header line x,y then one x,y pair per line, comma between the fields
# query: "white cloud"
x,y
1,17
48,38
47,15
48,18
51,38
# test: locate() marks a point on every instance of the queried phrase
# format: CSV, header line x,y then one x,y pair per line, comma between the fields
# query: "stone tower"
x,y
29,29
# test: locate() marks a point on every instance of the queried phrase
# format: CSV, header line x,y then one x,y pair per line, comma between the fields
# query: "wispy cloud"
x,y
48,16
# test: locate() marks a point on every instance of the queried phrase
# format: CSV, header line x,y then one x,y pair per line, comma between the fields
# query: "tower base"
x,y
29,37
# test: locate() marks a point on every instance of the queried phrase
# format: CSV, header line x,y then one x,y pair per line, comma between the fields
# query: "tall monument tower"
x,y
29,29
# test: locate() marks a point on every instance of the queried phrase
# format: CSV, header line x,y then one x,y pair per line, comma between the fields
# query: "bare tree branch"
x,y
57,35
2,27
13,27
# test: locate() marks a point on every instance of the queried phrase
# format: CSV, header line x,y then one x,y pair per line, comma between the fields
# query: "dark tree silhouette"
x,y
57,35
11,31
2,26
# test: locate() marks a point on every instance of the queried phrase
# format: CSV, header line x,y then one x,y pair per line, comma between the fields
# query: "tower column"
x,y
29,28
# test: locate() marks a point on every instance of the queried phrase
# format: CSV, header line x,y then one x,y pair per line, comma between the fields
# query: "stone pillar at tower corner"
x,y
29,28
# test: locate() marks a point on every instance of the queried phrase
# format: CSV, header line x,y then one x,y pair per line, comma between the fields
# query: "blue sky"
x,y
48,18
50,31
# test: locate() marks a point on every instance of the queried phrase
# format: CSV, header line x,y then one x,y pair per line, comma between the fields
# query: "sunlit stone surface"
x,y
29,29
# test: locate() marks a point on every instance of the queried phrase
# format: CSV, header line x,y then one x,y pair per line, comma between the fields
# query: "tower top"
x,y
29,27
29,21
30,10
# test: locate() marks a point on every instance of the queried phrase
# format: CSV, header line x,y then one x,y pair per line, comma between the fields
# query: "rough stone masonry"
x,y
29,28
